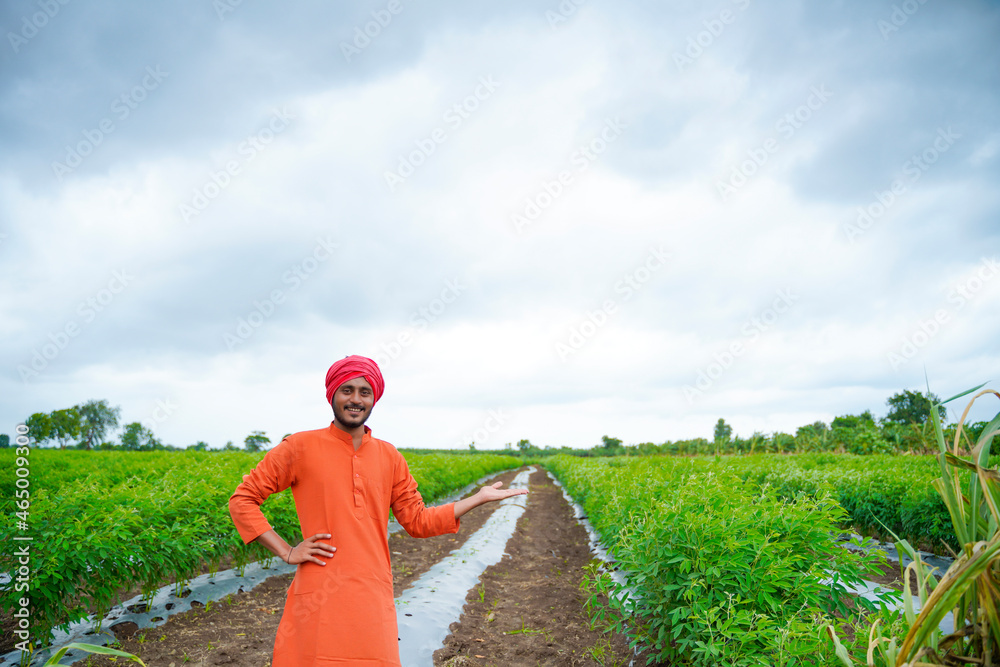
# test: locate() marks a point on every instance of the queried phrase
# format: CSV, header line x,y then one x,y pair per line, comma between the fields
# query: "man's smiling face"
x,y
352,403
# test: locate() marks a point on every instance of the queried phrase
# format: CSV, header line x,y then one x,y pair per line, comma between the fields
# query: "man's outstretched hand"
x,y
487,494
493,492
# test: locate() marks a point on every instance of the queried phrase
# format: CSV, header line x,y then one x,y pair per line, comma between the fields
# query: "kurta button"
x,y
357,475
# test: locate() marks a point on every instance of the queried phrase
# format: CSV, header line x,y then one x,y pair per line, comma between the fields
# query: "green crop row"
x,y
883,495
722,570
116,521
55,468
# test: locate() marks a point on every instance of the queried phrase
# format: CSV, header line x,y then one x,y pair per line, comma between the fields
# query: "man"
x,y
339,608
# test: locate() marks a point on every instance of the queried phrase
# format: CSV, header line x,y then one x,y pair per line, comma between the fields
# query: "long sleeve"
x,y
273,474
408,507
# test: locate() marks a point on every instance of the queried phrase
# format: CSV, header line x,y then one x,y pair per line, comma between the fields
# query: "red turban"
x,y
352,367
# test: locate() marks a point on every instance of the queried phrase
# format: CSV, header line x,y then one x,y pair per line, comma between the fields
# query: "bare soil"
x,y
529,608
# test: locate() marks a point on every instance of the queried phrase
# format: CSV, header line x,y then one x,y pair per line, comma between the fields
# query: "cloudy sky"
x,y
545,220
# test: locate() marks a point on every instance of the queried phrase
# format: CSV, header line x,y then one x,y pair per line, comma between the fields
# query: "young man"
x,y
340,607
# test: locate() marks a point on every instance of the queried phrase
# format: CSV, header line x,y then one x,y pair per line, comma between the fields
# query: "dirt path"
x,y
528,609
538,581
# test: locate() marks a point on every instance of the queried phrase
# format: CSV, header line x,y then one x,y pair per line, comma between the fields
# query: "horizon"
x,y
950,419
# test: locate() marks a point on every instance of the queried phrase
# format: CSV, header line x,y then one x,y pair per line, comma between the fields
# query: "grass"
x,y
602,653
971,586
90,648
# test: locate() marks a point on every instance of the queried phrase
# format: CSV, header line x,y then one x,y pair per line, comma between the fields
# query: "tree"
x,y
69,424
610,443
230,447
782,442
648,448
867,439
256,441
853,421
97,419
136,437
812,437
66,425
4,440
911,407
854,433
39,427
816,429
723,431
200,446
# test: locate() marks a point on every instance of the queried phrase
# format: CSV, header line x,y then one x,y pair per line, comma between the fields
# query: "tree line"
x,y
906,428
89,425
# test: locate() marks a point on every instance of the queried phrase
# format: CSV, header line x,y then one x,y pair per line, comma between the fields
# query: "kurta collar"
x,y
345,437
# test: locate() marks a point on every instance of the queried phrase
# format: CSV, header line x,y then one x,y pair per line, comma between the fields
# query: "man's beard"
x,y
348,418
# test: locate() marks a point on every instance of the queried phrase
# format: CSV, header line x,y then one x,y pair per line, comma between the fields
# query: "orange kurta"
x,y
342,612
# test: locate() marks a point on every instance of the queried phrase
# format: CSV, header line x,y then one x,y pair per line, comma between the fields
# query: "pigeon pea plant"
x,y
883,495
718,570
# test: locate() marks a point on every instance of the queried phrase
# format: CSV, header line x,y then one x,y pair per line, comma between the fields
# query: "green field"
x,y
725,555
